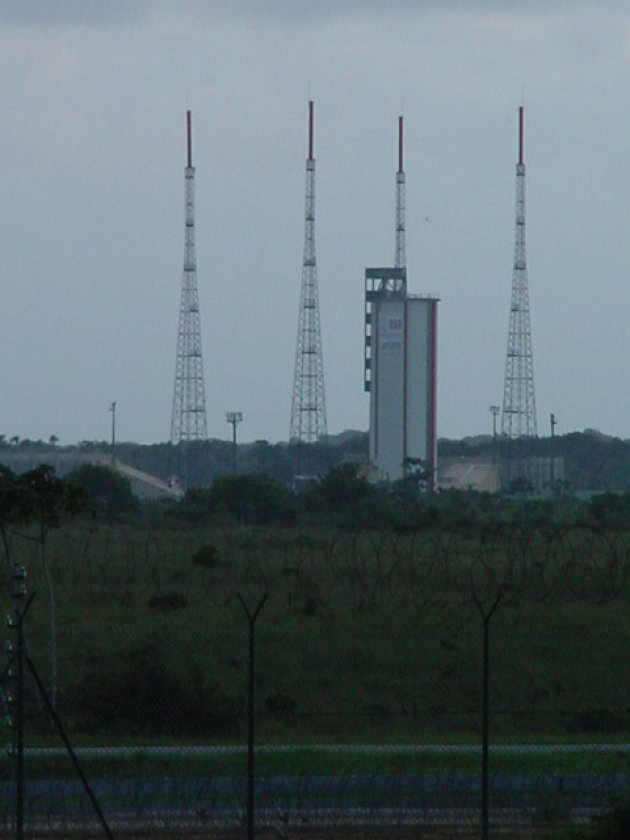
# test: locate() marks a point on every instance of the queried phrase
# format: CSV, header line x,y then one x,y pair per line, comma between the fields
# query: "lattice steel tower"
x,y
400,257
188,420
308,405
519,403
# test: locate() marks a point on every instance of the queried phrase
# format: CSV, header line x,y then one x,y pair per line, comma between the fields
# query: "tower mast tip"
x,y
310,129
520,134
189,137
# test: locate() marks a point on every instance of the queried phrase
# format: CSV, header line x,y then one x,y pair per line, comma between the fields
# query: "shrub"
x,y
252,500
140,697
614,826
207,556
109,491
279,704
169,601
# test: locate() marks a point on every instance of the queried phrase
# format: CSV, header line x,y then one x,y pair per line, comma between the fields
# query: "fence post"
x,y
251,618
486,616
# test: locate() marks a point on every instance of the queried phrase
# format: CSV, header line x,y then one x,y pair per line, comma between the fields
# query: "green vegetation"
x,y
367,636
109,493
246,499
304,761
370,633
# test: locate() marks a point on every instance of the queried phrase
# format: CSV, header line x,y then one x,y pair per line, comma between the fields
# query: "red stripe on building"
x,y
405,369
433,397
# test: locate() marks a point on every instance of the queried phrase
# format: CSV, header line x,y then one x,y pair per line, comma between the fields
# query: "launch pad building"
x,y
400,376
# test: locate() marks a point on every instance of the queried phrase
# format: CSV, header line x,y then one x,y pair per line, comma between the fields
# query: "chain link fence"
x,y
531,786
368,681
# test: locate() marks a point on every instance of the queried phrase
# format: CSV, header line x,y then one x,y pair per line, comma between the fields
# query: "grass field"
x,y
330,761
365,637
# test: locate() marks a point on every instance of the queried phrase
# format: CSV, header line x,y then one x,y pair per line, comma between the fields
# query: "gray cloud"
x,y
107,13
35,14
305,11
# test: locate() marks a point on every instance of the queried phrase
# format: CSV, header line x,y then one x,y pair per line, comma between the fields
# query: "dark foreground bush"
x,y
207,556
614,826
109,492
141,698
247,499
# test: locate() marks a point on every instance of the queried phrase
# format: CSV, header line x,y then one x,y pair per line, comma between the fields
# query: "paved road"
x,y
341,749
425,798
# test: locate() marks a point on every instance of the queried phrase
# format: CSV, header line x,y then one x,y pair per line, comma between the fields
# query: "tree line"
x,y
592,461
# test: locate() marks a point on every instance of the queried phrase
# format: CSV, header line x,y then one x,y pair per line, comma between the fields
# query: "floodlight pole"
x,y
112,408
552,476
251,618
234,418
494,410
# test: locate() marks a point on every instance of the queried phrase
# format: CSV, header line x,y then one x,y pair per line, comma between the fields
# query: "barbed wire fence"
x,y
424,733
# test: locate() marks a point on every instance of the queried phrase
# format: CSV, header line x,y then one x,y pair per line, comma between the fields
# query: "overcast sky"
x,y
92,154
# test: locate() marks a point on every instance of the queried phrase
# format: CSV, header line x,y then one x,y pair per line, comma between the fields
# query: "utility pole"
x,y
494,410
112,408
234,417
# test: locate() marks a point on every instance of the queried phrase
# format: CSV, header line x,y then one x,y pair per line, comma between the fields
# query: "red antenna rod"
x,y
310,129
400,144
520,134
189,133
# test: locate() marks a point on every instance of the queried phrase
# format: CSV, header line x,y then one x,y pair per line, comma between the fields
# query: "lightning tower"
x,y
400,257
188,419
400,363
308,405
519,403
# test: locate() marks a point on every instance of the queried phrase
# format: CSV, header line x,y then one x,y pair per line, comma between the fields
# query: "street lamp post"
x,y
234,418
